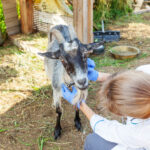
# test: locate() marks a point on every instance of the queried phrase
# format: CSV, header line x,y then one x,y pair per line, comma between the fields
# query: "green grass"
x,y
32,37
24,143
16,124
42,92
107,60
3,130
42,141
21,71
45,137
131,18
55,148
38,40
10,50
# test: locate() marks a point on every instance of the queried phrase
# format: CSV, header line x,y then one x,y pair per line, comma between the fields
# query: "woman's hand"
x,y
90,63
67,94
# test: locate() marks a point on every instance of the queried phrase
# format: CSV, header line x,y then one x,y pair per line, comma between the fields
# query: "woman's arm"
x,y
102,76
86,110
113,131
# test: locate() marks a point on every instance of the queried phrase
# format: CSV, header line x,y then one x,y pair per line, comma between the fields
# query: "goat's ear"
x,y
51,55
91,46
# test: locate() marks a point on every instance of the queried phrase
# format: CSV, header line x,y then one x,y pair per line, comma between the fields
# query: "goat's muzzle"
x,y
83,88
82,84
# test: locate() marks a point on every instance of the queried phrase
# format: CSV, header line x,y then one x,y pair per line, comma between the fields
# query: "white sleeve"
x,y
116,132
144,68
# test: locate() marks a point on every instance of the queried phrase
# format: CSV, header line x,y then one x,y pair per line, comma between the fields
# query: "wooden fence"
x,y
39,20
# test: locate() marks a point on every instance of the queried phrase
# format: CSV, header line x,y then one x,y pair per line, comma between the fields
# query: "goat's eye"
x,y
69,68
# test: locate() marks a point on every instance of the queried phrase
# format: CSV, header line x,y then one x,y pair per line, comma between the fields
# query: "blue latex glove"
x,y
67,94
92,74
90,63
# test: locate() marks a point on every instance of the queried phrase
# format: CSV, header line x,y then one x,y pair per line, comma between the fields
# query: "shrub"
x,y
18,8
110,10
2,23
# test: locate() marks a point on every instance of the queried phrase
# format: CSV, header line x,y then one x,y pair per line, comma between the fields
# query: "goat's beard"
x,y
81,95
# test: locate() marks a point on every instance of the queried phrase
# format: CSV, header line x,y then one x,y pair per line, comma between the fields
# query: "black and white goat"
x,y
66,62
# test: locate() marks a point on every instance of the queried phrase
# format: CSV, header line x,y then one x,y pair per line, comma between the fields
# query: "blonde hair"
x,y
127,94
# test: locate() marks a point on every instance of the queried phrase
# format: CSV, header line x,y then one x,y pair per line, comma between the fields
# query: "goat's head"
x,y
73,55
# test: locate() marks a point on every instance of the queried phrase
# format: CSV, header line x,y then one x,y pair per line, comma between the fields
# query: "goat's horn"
x,y
57,35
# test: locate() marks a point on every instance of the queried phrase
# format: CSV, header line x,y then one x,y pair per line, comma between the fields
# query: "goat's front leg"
x,y
58,128
77,120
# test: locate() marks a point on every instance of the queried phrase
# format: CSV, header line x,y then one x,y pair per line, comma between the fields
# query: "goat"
x,y
66,62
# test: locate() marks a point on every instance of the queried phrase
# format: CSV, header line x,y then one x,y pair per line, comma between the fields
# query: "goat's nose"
x,y
82,81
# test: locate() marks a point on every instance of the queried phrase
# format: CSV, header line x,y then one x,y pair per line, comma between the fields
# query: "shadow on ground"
x,y
6,73
29,125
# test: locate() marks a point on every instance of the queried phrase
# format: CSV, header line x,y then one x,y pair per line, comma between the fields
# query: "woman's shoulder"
x,y
144,68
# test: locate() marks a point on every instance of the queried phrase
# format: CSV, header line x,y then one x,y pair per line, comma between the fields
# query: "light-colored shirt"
x,y
134,135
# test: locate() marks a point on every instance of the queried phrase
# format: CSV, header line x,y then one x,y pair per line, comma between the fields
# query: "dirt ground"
x,y
27,118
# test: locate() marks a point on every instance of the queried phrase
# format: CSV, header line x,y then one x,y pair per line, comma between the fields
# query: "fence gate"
x,y
11,16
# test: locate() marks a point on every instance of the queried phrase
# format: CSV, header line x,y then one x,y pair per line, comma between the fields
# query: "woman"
x,y
126,94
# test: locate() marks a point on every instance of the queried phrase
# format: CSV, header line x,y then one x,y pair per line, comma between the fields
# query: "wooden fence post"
x,y
83,19
26,12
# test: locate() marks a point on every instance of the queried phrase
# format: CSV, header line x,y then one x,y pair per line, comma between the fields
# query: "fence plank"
x,y
12,23
13,30
7,4
11,16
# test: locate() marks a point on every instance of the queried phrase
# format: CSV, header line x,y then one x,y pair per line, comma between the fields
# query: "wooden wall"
x,y
11,17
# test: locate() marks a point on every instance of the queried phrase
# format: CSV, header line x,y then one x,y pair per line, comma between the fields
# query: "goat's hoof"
x,y
57,133
78,125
